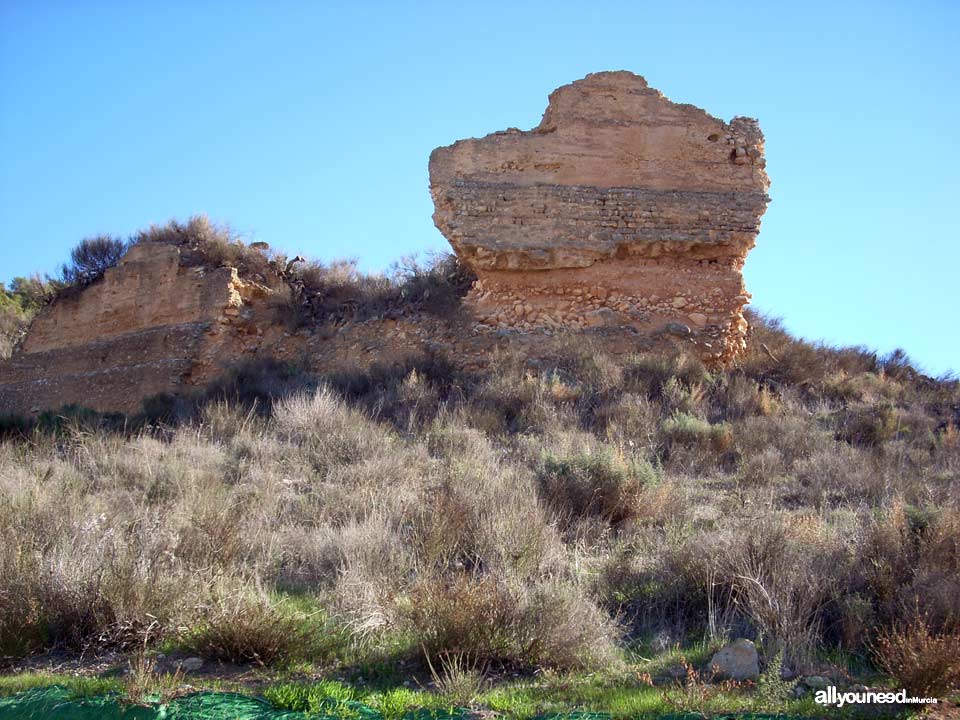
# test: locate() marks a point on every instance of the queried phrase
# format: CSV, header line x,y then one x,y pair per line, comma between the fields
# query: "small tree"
x,y
90,259
30,293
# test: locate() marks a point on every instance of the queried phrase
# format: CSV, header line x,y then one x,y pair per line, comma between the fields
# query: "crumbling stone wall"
x,y
621,208
622,216
151,325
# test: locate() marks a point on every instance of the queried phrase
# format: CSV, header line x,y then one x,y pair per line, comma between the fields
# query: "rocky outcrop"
x,y
621,208
151,325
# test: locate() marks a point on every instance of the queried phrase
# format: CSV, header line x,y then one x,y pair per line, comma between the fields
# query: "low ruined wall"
x,y
148,289
150,325
114,374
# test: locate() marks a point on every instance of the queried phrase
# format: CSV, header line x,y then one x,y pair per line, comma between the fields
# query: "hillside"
x,y
580,513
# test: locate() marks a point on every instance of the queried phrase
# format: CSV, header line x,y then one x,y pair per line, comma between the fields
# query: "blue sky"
x,y
309,124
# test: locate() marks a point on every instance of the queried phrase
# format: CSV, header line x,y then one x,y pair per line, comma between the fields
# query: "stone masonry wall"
x,y
149,326
620,208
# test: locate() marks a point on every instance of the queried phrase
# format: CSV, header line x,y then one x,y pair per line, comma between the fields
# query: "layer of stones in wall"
x,y
149,326
620,209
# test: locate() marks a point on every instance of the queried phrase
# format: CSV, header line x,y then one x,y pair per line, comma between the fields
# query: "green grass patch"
x,y
79,686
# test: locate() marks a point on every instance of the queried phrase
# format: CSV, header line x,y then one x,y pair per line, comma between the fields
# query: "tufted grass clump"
x,y
597,482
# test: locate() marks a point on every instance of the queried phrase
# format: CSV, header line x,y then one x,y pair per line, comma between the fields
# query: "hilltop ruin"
x,y
622,218
621,208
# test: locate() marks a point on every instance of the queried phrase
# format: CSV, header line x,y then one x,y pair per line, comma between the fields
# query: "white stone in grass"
x,y
736,661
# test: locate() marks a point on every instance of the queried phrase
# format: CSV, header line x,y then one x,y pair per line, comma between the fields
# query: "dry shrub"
x,y
692,445
203,242
653,375
761,468
740,397
459,679
505,405
662,505
776,357
660,584
779,573
143,684
900,560
870,426
866,387
316,558
684,429
508,624
629,421
242,625
209,536
793,435
595,482
924,662
85,587
338,290
258,383
837,475
325,429
437,286
409,393
466,613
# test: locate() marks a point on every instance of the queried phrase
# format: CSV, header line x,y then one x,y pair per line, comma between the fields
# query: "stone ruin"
x,y
622,216
152,325
620,209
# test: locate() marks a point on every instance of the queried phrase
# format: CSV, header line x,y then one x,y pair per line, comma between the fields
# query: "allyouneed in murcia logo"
x,y
831,696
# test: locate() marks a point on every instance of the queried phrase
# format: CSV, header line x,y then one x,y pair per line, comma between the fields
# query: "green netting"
x,y
58,703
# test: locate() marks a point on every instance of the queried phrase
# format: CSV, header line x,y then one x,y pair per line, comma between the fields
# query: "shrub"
x,y
653,374
18,305
776,358
436,286
203,242
79,587
871,426
258,382
244,626
494,622
781,582
925,663
91,259
684,429
596,482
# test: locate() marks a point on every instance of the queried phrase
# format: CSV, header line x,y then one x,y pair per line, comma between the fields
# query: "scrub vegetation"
x,y
579,534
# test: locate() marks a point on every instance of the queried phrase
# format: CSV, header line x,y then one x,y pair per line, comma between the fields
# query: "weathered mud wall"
x,y
620,208
149,326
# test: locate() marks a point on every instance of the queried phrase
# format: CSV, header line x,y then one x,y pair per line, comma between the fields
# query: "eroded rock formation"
x,y
621,208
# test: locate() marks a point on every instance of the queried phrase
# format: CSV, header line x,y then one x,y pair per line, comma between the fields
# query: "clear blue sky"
x,y
308,125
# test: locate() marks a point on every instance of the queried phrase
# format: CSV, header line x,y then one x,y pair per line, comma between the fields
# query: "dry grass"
x,y
538,516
